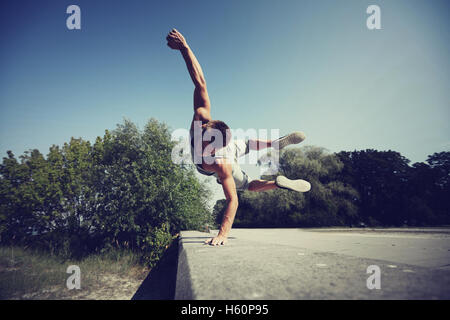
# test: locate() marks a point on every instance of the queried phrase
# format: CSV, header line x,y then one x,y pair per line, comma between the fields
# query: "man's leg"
x,y
292,138
259,144
281,182
261,185
278,144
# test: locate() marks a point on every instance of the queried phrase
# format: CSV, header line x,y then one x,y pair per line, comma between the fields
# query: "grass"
x,y
30,274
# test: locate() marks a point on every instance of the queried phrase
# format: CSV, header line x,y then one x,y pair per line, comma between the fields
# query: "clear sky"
x,y
294,65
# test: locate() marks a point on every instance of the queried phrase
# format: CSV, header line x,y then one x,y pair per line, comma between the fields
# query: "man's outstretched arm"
x,y
175,40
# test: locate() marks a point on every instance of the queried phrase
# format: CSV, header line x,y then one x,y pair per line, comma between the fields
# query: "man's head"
x,y
216,132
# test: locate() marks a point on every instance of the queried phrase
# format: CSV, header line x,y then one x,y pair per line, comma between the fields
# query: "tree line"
x,y
123,191
358,188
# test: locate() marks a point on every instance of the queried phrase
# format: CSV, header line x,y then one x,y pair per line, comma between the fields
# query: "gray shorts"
x,y
236,149
241,179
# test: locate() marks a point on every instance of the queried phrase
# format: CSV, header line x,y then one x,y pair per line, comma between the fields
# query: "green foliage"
x,y
381,179
158,240
394,193
123,191
368,187
429,190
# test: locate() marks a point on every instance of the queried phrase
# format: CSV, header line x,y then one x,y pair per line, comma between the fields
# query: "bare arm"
x,y
202,106
224,171
193,66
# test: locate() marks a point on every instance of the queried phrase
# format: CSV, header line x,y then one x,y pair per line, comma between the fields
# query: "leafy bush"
x,y
121,192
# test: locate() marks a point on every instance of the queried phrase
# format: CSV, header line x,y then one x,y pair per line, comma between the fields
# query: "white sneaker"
x,y
292,138
295,185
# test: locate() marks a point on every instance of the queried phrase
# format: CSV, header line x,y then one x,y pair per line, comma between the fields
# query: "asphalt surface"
x,y
315,264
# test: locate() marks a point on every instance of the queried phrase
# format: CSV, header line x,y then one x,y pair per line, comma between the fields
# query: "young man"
x,y
219,158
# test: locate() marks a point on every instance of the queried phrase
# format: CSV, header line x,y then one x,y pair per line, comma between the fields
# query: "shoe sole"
x,y
293,138
295,185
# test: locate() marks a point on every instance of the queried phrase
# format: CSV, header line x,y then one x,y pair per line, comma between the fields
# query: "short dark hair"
x,y
221,126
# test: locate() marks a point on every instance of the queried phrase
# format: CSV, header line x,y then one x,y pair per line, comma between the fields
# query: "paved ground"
x,y
315,264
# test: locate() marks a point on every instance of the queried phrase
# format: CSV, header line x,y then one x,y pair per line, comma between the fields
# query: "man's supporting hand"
x,y
225,172
217,241
175,40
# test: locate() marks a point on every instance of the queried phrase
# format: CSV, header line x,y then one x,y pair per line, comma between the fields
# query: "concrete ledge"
x,y
184,284
301,264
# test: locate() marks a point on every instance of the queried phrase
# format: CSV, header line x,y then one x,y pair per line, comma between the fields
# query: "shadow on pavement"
x,y
161,280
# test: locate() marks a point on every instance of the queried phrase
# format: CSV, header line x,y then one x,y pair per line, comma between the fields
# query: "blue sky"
x,y
294,65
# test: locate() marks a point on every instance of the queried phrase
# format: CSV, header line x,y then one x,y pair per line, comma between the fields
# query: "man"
x,y
219,158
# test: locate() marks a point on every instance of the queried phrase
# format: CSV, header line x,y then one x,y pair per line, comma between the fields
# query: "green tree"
x,y
140,192
430,189
382,180
24,196
122,191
